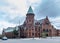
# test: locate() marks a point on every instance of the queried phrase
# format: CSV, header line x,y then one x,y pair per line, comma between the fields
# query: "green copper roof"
x,y
30,10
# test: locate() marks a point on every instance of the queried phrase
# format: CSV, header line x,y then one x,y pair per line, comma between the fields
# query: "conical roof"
x,y
30,10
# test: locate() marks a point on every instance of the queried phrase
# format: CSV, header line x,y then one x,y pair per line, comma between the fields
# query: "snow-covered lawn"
x,y
31,40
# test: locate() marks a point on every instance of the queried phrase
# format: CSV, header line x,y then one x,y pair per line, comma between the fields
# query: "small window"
x,y
32,33
50,30
38,33
29,26
35,29
35,34
43,30
47,23
39,29
46,30
29,20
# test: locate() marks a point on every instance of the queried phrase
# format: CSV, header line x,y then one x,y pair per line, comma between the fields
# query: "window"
x,y
29,20
39,29
46,30
39,34
32,29
43,30
37,23
47,23
50,30
35,29
32,33
29,26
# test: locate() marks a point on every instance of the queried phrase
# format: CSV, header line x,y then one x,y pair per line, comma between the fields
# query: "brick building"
x,y
21,32
9,32
35,28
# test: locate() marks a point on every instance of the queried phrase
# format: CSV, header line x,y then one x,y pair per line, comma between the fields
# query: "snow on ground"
x,y
31,40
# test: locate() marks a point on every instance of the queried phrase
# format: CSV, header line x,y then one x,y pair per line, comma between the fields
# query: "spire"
x,y
30,10
46,17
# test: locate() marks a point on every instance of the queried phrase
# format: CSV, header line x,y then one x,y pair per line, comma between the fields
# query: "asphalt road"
x,y
30,41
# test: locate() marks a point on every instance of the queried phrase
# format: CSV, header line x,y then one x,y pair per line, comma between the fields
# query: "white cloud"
x,y
16,8
5,24
34,1
12,12
55,22
20,5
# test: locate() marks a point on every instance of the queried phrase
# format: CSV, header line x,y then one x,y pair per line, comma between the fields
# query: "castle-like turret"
x,y
30,17
30,22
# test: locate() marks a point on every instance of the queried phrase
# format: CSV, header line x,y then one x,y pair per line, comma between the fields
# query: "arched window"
x,y
32,33
47,30
43,30
47,23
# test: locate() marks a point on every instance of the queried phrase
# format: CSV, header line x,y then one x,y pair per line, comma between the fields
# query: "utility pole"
x,y
19,29
3,33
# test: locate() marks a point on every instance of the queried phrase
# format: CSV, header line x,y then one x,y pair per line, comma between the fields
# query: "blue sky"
x,y
13,11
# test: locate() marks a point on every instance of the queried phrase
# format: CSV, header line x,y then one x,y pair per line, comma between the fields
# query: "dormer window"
x,y
37,23
47,23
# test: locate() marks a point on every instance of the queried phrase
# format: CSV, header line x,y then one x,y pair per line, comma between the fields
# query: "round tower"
x,y
30,22
30,17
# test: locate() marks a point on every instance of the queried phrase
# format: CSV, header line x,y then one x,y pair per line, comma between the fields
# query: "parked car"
x,y
4,38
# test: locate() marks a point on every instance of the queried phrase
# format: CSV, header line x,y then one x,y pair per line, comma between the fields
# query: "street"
x,y
41,40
